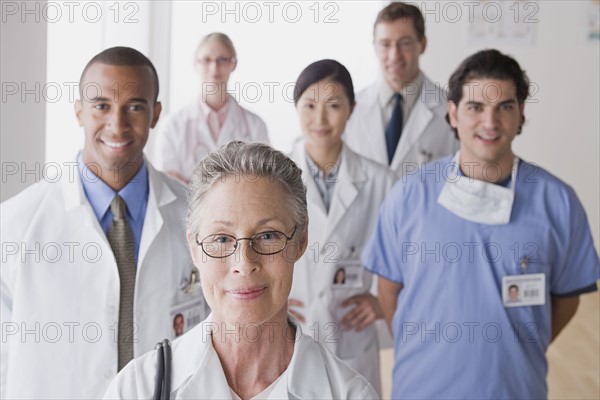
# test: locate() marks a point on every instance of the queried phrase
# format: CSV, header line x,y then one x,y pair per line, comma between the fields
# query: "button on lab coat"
x,y
63,309
426,135
334,237
184,138
313,372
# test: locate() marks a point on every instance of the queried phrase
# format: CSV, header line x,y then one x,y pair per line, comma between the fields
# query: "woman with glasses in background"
x,y
211,120
246,227
331,292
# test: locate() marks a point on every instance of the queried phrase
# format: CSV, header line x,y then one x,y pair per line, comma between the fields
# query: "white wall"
x,y
23,111
272,51
562,132
80,33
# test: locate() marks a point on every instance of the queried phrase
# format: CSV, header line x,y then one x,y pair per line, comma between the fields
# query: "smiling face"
x,y
513,293
116,111
324,110
487,118
398,49
247,287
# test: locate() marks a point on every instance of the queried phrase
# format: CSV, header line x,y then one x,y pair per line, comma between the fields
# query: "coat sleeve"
x,y
125,386
360,389
7,327
165,154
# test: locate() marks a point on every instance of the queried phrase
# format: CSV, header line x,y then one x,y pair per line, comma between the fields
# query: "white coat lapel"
x,y
373,126
159,195
313,196
202,129
418,120
235,126
208,382
308,378
316,206
79,210
345,191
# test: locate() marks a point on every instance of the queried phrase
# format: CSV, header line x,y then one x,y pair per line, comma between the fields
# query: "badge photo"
x,y
347,274
524,290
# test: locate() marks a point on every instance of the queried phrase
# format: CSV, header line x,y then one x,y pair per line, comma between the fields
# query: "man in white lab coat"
x,y
94,263
400,119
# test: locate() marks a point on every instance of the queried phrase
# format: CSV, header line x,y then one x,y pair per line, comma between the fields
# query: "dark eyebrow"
x,y
474,103
106,99
138,100
98,98
510,101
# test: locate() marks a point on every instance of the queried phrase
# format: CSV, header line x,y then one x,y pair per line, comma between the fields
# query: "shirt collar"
x,y
318,173
100,195
206,109
409,94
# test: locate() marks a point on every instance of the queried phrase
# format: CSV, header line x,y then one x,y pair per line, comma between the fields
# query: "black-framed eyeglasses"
x,y
266,243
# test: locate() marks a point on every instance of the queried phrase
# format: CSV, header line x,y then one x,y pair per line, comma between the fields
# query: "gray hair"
x,y
241,159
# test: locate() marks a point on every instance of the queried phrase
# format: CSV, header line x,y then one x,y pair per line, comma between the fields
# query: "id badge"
x,y
524,290
186,315
189,310
347,274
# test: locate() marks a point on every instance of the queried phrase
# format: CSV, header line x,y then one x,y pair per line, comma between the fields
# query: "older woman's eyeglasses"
x,y
265,243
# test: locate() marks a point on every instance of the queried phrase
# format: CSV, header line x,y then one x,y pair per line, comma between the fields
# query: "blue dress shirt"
x,y
100,195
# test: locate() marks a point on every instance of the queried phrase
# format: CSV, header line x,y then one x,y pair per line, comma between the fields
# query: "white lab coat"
x,y
334,238
183,138
426,135
65,309
197,373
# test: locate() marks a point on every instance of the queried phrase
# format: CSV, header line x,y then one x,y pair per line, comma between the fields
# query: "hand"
x,y
296,314
365,312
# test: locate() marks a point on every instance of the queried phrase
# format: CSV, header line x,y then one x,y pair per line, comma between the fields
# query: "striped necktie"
x,y
121,242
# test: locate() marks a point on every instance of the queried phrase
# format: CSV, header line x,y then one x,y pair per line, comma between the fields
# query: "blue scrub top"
x,y
454,338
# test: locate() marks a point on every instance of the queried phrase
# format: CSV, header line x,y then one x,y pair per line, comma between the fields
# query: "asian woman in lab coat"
x,y
344,191
247,226
211,120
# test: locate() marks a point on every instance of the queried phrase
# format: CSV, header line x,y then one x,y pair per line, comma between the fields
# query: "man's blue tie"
x,y
394,128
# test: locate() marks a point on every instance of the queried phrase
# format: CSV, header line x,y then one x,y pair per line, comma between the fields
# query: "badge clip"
x,y
524,263
189,287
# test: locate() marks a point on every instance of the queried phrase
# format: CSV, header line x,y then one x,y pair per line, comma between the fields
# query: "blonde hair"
x,y
219,37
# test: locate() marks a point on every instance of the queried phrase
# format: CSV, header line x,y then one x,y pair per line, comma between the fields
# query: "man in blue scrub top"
x,y
453,238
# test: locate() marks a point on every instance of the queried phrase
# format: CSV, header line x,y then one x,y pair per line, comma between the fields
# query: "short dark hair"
x,y
398,10
513,286
121,56
320,70
488,64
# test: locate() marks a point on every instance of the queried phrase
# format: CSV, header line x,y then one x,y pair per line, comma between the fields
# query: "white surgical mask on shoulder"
x,y
478,201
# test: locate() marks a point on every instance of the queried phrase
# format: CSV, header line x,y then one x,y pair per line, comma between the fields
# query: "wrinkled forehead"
x,y
248,199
